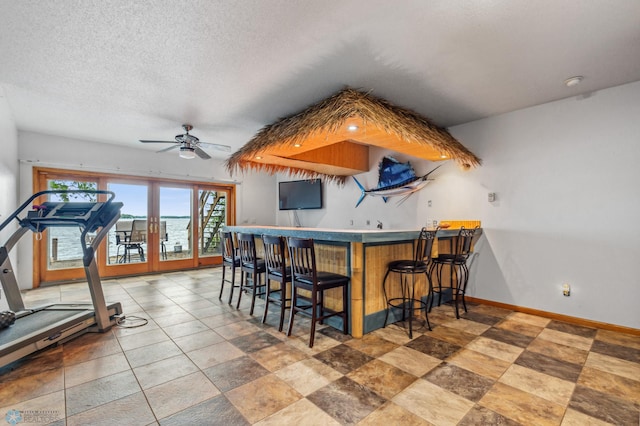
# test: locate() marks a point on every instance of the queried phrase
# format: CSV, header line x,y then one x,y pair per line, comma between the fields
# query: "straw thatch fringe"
x,y
331,114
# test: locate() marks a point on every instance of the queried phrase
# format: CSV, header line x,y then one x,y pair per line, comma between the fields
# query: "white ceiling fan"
x,y
189,145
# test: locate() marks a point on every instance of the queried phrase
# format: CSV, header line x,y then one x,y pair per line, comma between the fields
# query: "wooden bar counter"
x,y
362,255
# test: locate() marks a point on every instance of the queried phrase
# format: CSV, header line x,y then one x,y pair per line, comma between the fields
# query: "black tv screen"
x,y
300,194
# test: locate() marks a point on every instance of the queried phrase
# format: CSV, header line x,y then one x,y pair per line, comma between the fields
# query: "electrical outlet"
x,y
368,222
429,203
566,290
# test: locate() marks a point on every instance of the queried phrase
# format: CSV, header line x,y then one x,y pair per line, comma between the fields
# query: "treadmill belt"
x,y
36,321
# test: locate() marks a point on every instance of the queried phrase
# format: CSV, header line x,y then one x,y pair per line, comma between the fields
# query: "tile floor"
x,y
200,362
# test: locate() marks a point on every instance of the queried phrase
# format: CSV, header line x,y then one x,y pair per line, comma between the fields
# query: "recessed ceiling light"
x,y
573,81
258,157
352,127
443,155
297,145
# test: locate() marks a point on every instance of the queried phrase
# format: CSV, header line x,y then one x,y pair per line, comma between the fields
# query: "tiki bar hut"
x,y
331,139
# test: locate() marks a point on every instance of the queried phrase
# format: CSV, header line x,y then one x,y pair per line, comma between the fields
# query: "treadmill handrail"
x,y
24,205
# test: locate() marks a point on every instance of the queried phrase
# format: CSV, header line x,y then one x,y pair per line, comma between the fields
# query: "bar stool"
x,y
416,266
230,259
275,260
305,276
251,266
457,262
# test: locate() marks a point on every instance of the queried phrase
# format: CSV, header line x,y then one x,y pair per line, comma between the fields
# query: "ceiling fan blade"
x,y
201,153
217,146
169,148
145,141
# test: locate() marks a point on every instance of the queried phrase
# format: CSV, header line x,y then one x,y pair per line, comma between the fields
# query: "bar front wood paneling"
x,y
363,255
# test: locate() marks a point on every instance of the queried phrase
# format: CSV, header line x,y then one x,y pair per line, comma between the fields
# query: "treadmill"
x,y
37,328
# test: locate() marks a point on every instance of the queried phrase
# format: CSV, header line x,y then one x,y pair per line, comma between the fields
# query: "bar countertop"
x,y
343,235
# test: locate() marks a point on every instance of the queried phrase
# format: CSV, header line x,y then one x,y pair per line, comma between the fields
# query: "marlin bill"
x,y
394,179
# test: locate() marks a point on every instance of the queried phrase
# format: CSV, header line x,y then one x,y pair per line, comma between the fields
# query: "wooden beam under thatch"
x,y
331,137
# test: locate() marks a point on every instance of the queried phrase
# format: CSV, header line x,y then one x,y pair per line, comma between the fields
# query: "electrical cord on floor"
x,y
130,321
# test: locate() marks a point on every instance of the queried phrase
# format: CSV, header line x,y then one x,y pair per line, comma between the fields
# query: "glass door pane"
x,y
127,240
175,228
64,248
212,216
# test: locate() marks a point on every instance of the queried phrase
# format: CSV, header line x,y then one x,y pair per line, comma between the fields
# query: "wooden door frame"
x,y
40,175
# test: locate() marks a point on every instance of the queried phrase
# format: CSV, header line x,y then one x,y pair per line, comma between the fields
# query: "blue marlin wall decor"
x,y
395,178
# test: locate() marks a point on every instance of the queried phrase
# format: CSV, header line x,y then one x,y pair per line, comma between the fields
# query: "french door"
x,y
164,225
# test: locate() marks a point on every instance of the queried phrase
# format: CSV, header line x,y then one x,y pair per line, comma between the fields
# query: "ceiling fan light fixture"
x,y
187,152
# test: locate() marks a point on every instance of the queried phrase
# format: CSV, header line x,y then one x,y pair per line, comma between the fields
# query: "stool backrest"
x,y
302,256
464,242
247,247
424,245
274,253
228,248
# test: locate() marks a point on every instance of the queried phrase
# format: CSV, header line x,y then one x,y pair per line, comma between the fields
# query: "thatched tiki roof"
x,y
331,139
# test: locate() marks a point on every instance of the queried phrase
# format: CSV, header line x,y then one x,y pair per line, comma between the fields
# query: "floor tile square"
x,y
254,342
433,347
278,356
236,372
174,396
479,363
567,339
467,325
621,367
410,360
87,371
101,391
185,329
392,414
551,366
150,375
616,351
516,326
198,340
495,349
152,353
134,341
558,351
346,401
621,339
131,408
578,330
479,415
214,354
382,378
308,375
301,412
508,337
262,397
459,381
612,384
452,335
372,345
476,316
217,410
433,403
604,406
543,385
522,406
343,358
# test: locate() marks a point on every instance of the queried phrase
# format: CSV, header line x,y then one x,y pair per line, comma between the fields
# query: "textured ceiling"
x,y
119,71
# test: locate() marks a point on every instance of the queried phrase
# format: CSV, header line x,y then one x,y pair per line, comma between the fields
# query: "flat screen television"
x,y
300,194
